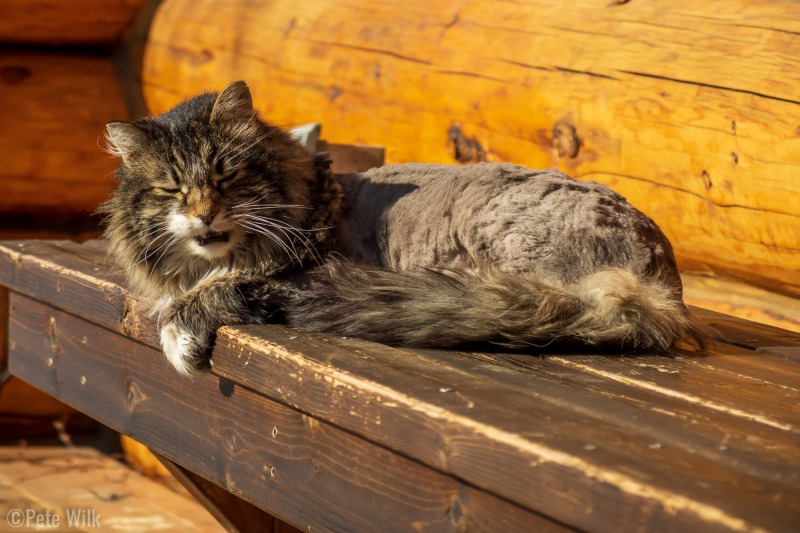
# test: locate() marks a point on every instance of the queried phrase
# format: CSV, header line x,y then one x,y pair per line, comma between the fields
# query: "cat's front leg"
x,y
191,322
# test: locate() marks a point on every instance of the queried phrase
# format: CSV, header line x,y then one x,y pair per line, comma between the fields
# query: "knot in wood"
x,y
14,74
135,395
465,149
565,140
456,512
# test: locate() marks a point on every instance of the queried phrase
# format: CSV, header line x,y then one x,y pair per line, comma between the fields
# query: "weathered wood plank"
x,y
75,277
597,429
460,414
742,300
225,433
235,514
67,481
745,332
17,397
689,110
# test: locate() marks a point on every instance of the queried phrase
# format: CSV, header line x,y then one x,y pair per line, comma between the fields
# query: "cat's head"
x,y
205,185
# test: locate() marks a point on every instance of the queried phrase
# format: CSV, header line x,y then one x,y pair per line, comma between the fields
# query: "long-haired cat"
x,y
220,218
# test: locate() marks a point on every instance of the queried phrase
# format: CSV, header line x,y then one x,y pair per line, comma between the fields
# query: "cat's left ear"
x,y
125,140
234,104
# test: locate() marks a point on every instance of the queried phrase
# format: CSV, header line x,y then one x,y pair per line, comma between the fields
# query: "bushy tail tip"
x,y
439,308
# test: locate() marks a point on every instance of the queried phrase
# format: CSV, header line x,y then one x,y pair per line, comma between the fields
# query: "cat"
x,y
221,218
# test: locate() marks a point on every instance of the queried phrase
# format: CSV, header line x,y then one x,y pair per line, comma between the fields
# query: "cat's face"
x,y
205,183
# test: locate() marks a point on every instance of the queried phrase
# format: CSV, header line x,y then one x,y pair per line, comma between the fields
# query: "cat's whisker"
x,y
256,207
297,233
162,227
251,201
260,227
144,253
288,247
274,220
291,252
289,239
166,246
148,255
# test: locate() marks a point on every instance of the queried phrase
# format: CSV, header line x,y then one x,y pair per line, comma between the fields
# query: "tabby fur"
x,y
221,218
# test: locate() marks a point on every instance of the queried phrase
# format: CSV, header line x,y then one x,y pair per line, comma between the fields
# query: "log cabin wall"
x,y
58,88
690,110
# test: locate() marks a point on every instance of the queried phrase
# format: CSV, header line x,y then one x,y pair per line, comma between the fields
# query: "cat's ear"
x,y
234,104
125,140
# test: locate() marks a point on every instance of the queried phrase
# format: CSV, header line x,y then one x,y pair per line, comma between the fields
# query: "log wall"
x,y
75,22
55,107
58,89
692,111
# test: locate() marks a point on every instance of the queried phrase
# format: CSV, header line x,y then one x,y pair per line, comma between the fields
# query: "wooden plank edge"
x,y
232,512
123,328
250,360
149,396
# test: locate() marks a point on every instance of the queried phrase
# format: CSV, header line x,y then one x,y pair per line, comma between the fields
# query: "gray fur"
x,y
221,218
494,252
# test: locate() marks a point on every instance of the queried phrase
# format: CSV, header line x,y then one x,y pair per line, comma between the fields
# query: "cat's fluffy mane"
x,y
186,143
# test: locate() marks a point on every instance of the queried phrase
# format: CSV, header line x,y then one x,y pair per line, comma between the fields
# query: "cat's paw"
x,y
183,350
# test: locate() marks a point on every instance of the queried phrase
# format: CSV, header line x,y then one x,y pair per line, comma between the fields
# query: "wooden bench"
x,y
340,434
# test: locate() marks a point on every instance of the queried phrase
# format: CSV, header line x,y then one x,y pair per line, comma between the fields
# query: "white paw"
x,y
176,344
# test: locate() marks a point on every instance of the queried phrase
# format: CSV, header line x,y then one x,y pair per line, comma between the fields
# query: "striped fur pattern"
x,y
221,218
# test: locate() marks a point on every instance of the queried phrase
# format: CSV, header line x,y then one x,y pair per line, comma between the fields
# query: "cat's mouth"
x,y
212,238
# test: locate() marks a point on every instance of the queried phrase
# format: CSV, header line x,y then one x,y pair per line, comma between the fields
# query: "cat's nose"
x,y
208,216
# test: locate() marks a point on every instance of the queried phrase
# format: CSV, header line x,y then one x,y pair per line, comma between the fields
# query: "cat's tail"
x,y
433,308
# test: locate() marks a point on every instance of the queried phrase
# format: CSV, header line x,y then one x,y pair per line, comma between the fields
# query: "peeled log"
x,y
73,22
690,112
55,107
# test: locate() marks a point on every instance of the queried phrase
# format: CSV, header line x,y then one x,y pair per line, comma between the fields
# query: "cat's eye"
x,y
219,167
169,190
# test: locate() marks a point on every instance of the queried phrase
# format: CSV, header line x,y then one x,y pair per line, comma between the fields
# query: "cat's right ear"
x,y
125,140
234,104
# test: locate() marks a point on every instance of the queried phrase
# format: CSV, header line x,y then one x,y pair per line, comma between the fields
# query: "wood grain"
x,y
234,513
689,111
308,472
588,440
64,480
55,107
57,23
17,397
742,300
598,427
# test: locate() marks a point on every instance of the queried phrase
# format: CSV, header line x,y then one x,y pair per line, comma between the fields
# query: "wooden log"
x,y
690,113
77,22
55,107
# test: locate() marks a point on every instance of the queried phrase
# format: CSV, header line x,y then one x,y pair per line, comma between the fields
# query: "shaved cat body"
x,y
221,218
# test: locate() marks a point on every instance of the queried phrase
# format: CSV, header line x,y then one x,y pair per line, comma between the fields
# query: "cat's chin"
x,y
214,245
